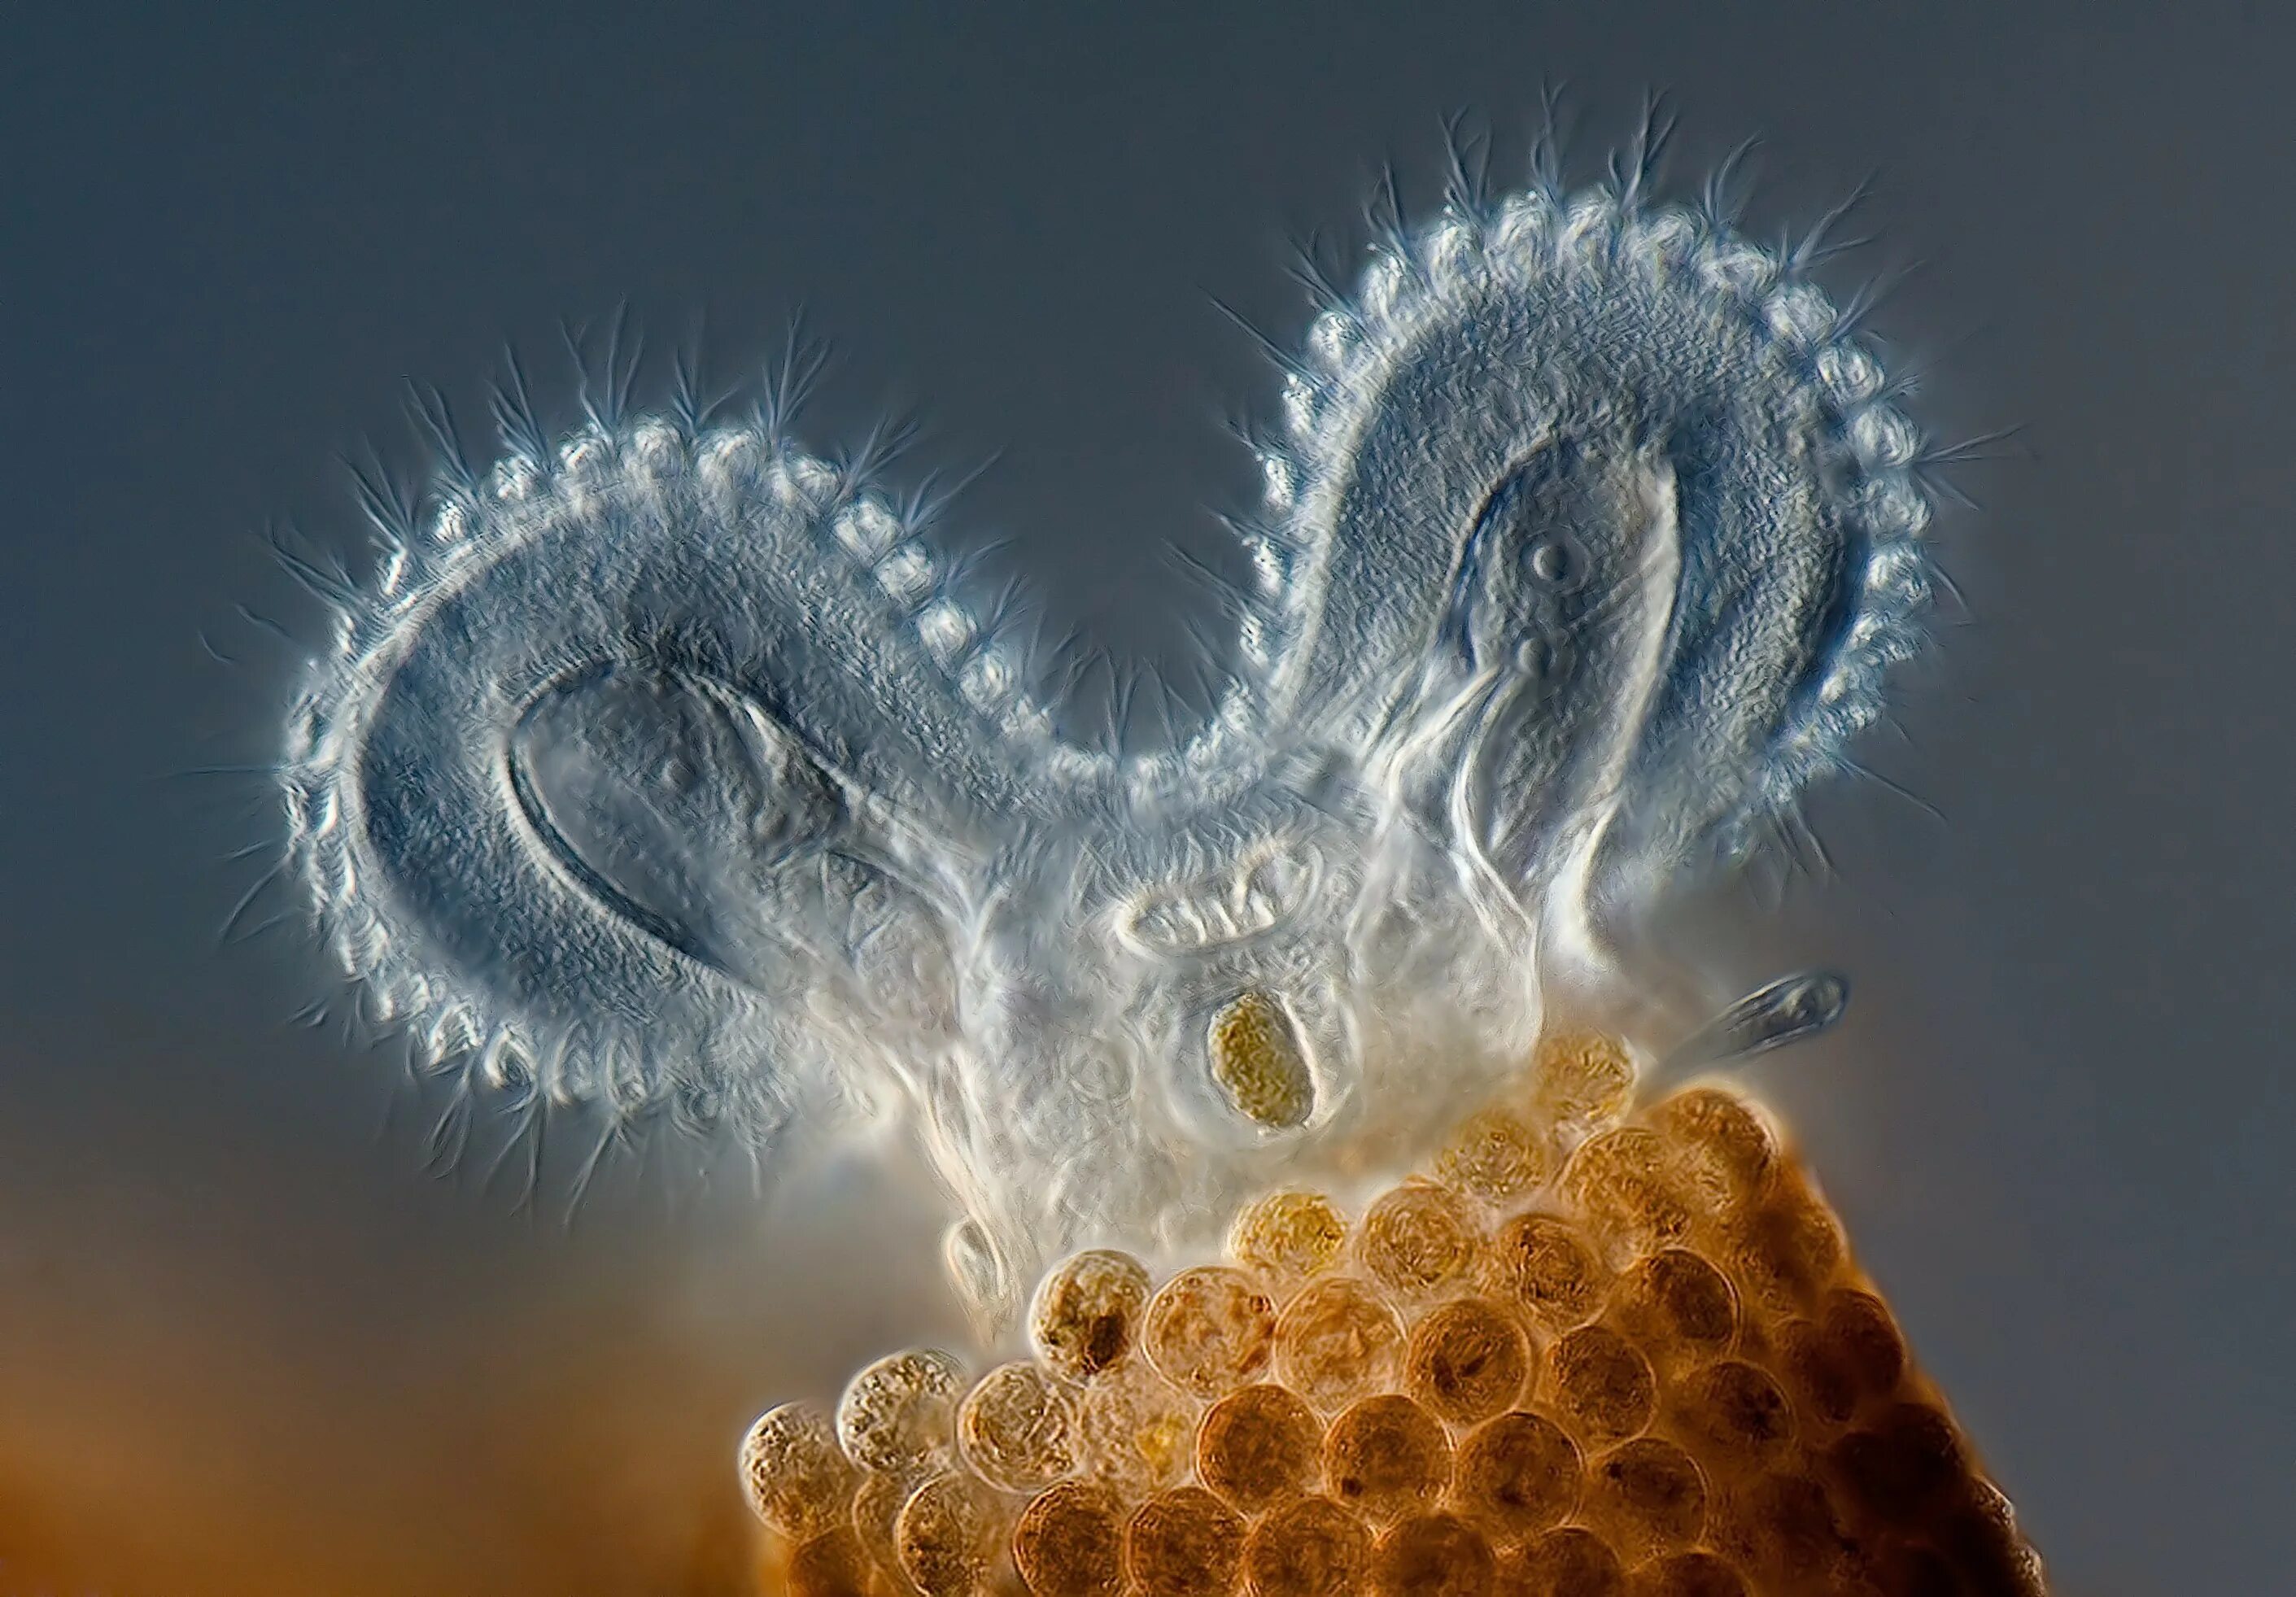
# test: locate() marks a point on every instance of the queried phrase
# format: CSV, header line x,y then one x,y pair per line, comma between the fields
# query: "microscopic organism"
x,y
1791,1009
668,767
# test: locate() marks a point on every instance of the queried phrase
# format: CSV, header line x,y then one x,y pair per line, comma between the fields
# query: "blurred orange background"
x,y
372,1385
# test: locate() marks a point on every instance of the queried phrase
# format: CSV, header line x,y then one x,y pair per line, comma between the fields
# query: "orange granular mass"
x,y
1595,1355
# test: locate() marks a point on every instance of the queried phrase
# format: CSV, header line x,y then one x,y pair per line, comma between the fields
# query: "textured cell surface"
x,y
1185,1542
876,1516
1256,1057
1581,1080
1467,1360
1418,1238
797,1479
1289,1234
1569,1562
1518,1474
1431,1555
1258,1446
1497,1156
1387,1456
1069,1542
1138,1430
1546,1267
1687,1575
830,1565
667,767
1733,1416
1622,1181
1601,1384
1311,1548
1209,1330
1645,1497
1338,1340
896,1415
1676,1308
946,1536
1017,1429
1085,1314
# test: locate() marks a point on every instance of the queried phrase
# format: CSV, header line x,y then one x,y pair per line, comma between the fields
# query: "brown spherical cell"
x,y
1621,1182
1569,1562
1897,1469
1722,1149
1601,1384
1017,1428
1786,1247
1086,1313
1782,1531
832,1564
1696,1574
1676,1307
1135,1430
898,1415
1542,1266
1417,1238
1518,1474
797,1479
1815,1375
1581,1079
1467,1360
1259,1445
1862,1331
1289,1234
946,1536
1645,1498
1386,1457
1184,1543
1309,1548
1069,1541
877,1504
1431,1555
1209,1330
1338,1340
1903,1570
1980,1538
1496,1155
1732,1416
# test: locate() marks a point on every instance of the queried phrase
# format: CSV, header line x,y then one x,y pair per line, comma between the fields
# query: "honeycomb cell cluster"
x,y
1593,1353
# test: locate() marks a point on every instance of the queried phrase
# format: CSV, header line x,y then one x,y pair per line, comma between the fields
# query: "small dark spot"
x,y
1105,1342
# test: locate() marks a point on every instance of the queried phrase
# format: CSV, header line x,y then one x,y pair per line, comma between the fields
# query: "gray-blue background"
x,y
245,1345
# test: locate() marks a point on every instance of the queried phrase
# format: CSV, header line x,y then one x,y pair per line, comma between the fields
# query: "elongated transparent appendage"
x,y
669,770
1778,1014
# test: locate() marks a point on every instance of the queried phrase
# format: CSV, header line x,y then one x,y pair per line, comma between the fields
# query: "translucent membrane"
x,y
666,767
1651,1370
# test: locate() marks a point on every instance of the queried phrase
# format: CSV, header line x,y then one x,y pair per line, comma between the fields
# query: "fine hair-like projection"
x,y
667,765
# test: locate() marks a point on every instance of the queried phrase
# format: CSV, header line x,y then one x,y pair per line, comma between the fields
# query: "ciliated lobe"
x,y
672,769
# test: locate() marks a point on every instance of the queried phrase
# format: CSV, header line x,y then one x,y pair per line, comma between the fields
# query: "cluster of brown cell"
x,y
1591,1354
